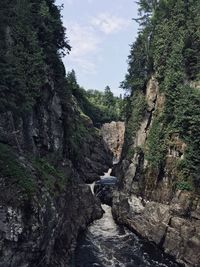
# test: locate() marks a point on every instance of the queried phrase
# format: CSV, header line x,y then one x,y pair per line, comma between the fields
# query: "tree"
x,y
108,97
31,46
167,46
146,10
139,66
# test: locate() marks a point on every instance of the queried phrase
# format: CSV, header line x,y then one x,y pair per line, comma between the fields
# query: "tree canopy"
x,y
101,107
168,47
32,42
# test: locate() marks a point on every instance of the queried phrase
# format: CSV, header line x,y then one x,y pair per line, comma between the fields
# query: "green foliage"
x,y
187,121
146,10
15,172
19,174
101,107
139,65
105,105
186,186
108,97
137,108
32,41
156,144
53,179
168,45
77,134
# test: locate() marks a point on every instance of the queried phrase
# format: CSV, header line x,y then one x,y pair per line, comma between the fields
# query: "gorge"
x,y
88,178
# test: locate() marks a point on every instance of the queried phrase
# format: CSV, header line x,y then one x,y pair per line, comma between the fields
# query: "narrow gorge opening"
x,y
108,244
73,185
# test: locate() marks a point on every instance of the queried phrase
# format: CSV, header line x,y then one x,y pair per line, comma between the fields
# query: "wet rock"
x,y
160,223
104,188
41,228
146,199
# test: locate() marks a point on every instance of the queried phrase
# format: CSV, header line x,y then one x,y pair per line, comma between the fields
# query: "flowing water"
x,y
106,244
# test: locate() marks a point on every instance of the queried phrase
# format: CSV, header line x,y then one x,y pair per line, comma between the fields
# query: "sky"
x,y
100,33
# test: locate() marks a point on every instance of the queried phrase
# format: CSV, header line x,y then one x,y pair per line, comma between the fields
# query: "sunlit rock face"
x,y
113,135
147,199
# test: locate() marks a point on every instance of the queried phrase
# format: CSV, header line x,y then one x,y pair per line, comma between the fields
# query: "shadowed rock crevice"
x,y
146,200
46,156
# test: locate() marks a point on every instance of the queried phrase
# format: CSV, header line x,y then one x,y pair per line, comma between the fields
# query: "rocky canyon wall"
x,y
49,148
46,156
113,135
147,199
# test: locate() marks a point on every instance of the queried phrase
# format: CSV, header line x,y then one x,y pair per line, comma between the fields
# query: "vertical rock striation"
x,y
113,135
147,200
44,201
48,147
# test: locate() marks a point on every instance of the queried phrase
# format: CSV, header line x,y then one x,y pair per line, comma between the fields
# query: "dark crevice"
x,y
162,241
150,115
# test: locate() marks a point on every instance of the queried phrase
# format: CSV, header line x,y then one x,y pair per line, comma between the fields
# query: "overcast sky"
x,y
100,33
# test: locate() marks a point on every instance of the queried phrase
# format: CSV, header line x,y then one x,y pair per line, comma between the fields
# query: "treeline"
x,y
168,47
31,46
101,107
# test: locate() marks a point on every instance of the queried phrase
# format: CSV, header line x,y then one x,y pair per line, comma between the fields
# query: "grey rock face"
x,y
44,232
41,230
95,159
113,135
104,189
166,225
147,201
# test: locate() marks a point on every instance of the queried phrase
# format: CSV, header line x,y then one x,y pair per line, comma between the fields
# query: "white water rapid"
x,y
106,244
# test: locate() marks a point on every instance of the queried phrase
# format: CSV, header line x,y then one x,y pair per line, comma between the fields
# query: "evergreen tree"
x,y
108,97
168,46
32,44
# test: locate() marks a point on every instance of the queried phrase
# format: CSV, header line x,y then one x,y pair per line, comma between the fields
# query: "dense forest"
x,y
168,47
52,149
49,148
34,39
34,47
101,107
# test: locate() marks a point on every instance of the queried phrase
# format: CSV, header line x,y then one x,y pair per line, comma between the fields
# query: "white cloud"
x,y
85,45
85,65
69,2
86,40
83,39
108,23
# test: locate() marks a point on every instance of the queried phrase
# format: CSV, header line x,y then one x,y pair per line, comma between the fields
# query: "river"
x,y
106,244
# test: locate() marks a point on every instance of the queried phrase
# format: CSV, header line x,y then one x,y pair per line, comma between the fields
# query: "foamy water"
x,y
105,244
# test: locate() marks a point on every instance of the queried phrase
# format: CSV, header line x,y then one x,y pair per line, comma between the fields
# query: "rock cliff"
x,y
44,201
46,155
147,199
113,135
44,160
48,147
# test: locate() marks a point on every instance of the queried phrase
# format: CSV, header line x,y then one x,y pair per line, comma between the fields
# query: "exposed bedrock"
x,y
147,200
46,156
175,227
104,189
113,135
